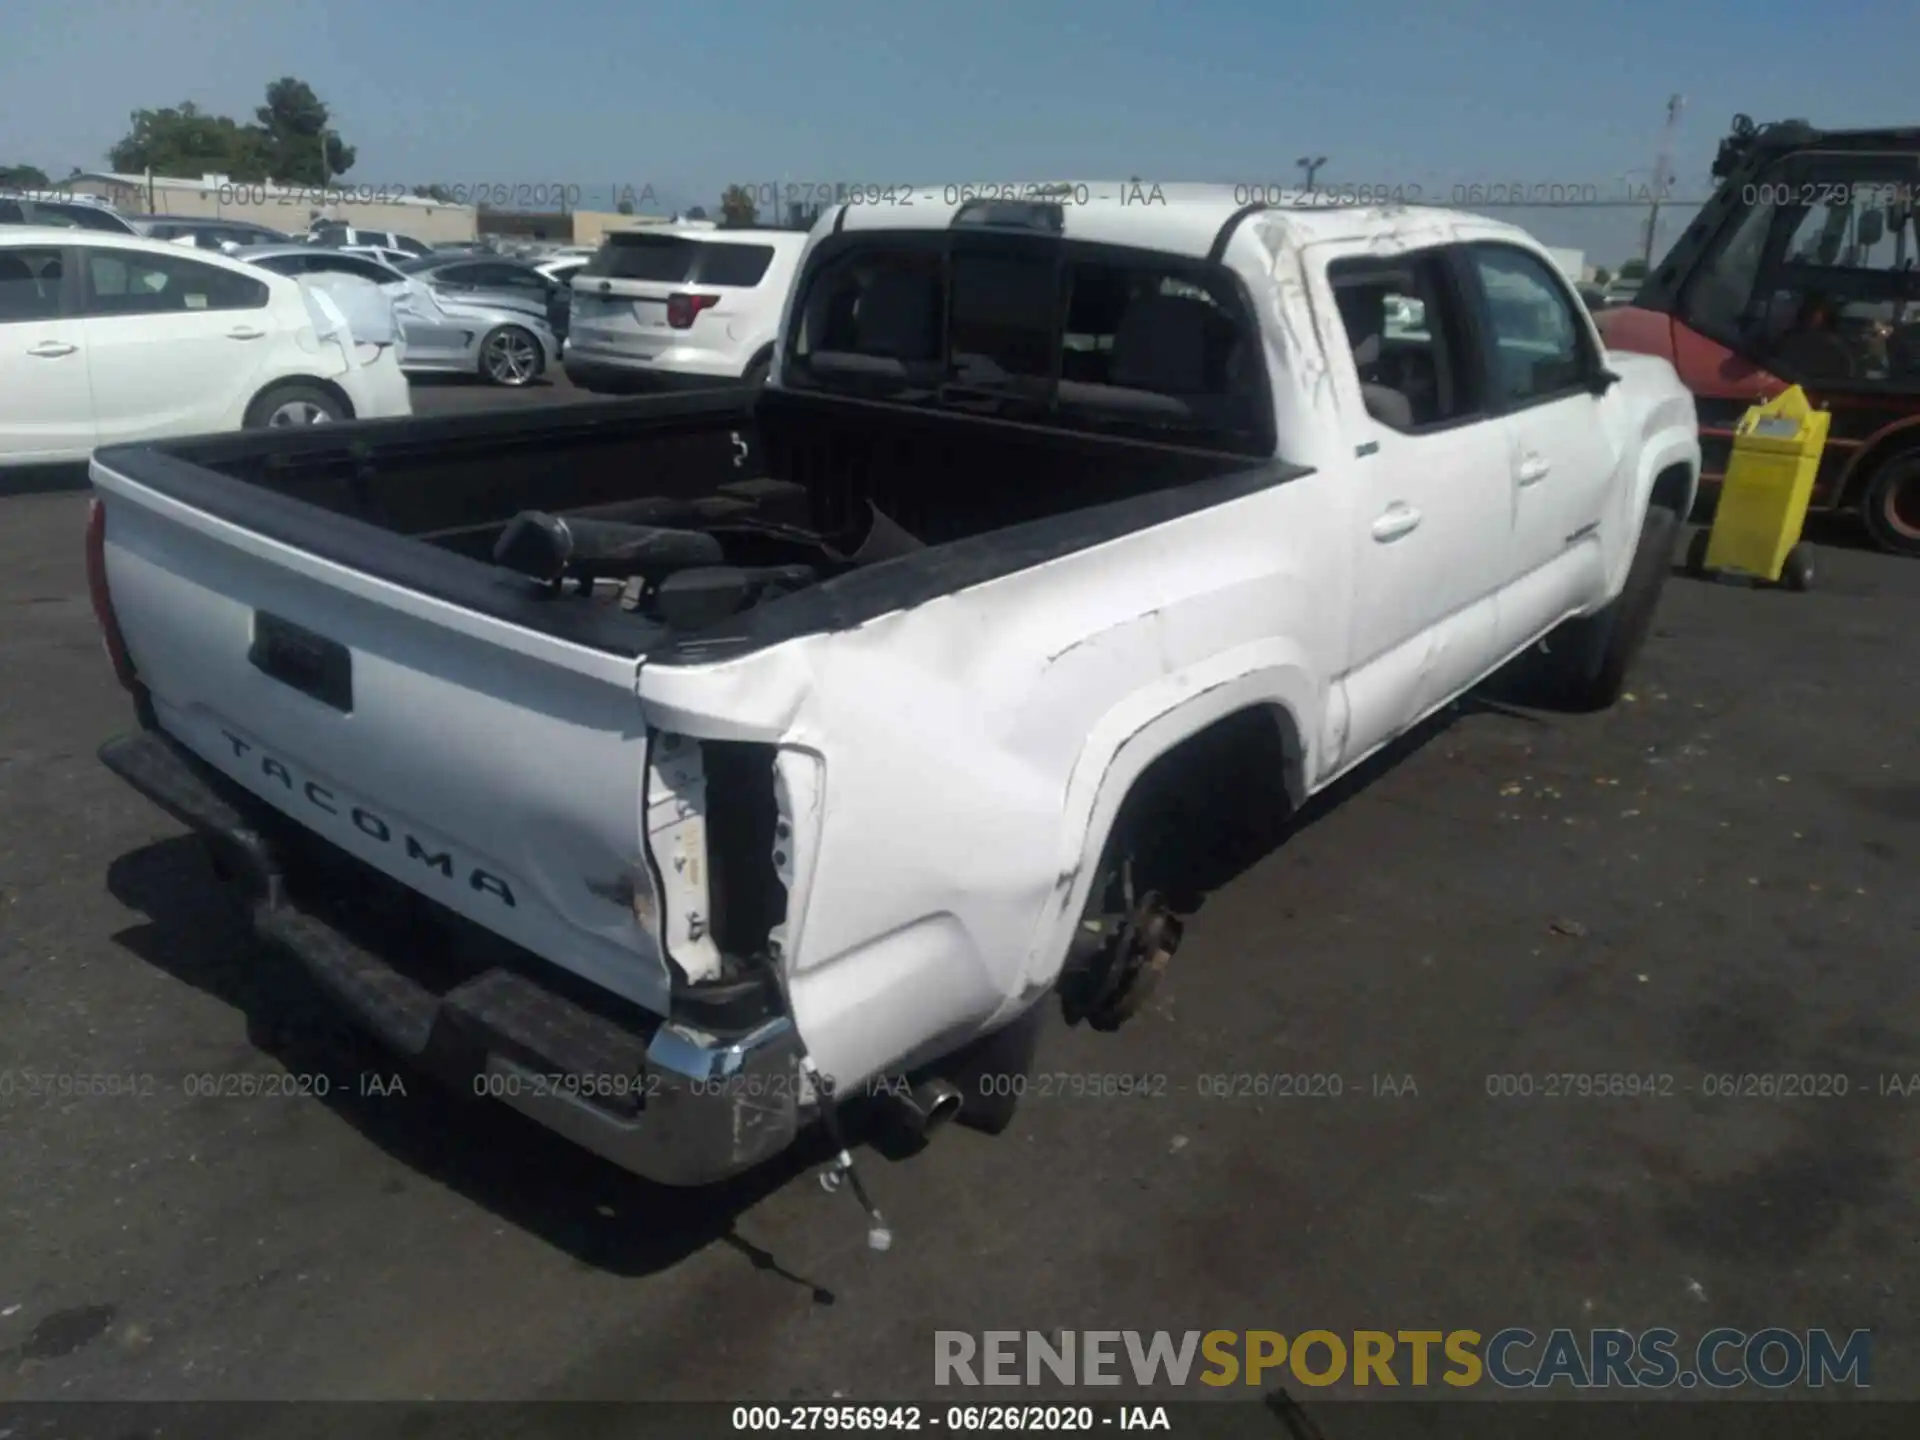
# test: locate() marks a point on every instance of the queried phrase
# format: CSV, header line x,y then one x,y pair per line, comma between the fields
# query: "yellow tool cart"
x,y
1763,500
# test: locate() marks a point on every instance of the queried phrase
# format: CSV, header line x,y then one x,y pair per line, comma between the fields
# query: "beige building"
x,y
290,208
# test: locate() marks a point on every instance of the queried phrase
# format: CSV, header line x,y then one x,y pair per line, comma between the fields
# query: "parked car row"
x,y
457,315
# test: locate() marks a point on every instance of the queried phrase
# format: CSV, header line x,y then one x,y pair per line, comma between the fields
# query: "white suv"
x,y
679,307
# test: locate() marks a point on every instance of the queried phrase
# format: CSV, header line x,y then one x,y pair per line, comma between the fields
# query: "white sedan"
x,y
106,339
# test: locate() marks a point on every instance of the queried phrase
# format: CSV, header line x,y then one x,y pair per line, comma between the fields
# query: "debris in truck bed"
x,y
550,547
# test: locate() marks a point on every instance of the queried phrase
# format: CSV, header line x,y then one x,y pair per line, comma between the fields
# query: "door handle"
x,y
1533,469
1398,520
52,349
245,332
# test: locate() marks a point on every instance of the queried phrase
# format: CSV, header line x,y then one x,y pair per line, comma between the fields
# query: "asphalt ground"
x,y
1715,879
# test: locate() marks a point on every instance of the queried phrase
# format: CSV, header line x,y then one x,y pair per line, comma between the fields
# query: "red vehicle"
x,y
1802,271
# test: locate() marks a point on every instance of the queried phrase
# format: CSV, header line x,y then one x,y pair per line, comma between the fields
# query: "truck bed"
x,y
419,502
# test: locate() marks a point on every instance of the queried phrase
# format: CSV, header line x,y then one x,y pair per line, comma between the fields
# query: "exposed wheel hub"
x,y
1118,959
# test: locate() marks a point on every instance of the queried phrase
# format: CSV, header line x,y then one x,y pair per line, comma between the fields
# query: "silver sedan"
x,y
489,280
443,333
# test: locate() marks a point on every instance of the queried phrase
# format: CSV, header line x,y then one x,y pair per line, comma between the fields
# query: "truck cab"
x,y
1801,270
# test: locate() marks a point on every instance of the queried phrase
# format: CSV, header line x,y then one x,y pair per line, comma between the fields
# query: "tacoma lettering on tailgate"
x,y
366,821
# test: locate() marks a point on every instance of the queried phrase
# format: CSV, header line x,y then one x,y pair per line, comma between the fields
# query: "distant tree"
x,y
737,207
24,177
185,140
625,207
293,126
284,143
434,192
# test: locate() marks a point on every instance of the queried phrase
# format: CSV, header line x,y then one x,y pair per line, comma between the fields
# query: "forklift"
x,y
1801,270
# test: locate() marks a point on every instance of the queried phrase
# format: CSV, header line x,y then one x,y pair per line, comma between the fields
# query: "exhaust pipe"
x,y
927,1106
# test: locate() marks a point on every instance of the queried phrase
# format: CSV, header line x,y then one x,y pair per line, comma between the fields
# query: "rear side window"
x,y
127,282
29,284
1076,335
740,265
1407,338
664,258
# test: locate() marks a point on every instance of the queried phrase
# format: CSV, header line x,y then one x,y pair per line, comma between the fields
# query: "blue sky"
x,y
690,97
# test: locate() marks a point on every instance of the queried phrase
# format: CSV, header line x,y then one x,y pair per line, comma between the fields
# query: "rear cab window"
x,y
1040,329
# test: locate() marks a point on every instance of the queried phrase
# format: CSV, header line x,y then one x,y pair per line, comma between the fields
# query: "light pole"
x,y
1312,166
1662,175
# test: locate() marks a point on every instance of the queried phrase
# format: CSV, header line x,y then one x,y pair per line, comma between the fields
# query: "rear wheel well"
x,y
1207,807
1671,489
287,381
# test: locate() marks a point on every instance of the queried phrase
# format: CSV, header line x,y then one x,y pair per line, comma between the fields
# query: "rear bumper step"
x,y
662,1100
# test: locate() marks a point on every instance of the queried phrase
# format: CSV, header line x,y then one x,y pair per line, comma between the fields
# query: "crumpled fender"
x,y
1147,724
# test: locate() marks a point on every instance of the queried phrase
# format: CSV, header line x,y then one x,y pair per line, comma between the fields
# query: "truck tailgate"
x,y
492,768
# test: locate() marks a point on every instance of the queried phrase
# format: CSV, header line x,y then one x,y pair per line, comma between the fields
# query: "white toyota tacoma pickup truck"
x,y
728,755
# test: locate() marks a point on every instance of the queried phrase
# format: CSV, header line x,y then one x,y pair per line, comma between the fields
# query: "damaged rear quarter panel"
x,y
967,745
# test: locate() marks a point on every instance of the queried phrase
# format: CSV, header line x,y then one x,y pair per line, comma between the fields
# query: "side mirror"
x,y
1602,380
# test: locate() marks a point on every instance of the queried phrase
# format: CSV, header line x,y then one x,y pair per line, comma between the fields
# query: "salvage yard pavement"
x,y
1713,880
